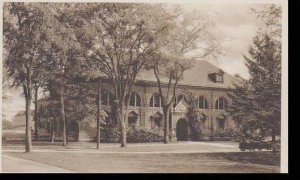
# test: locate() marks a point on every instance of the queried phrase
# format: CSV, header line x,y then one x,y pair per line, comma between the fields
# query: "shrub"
x,y
134,135
138,135
110,133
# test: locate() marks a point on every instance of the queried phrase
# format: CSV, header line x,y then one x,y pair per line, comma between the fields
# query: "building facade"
x,y
204,85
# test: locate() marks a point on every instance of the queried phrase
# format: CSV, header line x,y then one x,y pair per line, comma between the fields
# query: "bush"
x,y
138,135
110,134
227,134
134,135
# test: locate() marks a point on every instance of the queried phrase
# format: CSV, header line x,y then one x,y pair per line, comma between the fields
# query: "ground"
x,y
179,157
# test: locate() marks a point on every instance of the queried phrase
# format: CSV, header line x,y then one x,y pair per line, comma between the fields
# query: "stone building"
x,y
204,84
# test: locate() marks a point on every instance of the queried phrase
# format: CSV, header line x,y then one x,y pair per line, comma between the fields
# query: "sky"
x,y
236,24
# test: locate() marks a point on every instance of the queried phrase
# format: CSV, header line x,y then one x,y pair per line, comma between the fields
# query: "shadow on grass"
x,y
264,158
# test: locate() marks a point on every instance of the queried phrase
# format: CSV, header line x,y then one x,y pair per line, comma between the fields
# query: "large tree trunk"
x,y
36,119
98,115
28,96
63,116
166,124
123,127
126,111
28,124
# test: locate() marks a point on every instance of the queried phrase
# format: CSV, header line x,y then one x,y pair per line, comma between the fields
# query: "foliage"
x,y
111,133
184,34
257,102
197,128
116,41
24,30
139,135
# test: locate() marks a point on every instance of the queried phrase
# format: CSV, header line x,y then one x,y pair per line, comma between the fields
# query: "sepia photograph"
x,y
144,87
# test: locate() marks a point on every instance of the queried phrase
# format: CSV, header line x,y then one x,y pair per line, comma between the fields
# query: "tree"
x,y
184,35
117,41
23,32
257,102
61,50
39,81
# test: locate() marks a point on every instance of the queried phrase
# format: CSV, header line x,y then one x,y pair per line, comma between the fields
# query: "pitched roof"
x,y
196,76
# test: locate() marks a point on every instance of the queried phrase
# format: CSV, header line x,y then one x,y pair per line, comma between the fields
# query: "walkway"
x,y
16,165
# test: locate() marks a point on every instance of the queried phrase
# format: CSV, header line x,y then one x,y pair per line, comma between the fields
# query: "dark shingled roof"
x,y
196,76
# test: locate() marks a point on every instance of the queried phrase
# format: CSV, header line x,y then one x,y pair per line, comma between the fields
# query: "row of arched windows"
x,y
220,104
155,100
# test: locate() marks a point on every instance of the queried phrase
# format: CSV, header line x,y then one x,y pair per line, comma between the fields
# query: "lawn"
x,y
237,162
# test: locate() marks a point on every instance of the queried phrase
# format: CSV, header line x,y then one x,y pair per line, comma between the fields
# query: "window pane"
x,y
104,98
205,104
221,103
138,100
219,78
217,104
201,102
156,100
131,100
151,102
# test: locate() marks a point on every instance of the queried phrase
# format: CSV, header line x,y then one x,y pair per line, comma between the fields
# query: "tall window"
x,y
135,100
203,103
221,104
106,98
155,101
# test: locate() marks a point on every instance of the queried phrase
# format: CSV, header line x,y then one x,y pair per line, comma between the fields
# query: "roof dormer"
x,y
217,76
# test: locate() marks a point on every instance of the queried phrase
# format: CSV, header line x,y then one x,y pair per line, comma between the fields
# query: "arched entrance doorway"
x,y
182,130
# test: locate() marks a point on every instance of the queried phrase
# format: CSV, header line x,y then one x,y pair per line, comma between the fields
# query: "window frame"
x,y
204,103
152,101
109,97
224,103
136,100
218,75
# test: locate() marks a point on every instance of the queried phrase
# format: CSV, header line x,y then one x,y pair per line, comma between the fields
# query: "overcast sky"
x,y
236,24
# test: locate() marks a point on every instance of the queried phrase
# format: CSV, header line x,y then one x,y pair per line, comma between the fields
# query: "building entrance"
x,y
182,130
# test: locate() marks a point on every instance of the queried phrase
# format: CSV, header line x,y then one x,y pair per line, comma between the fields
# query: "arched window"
x,y
155,101
221,104
135,100
177,99
106,98
203,103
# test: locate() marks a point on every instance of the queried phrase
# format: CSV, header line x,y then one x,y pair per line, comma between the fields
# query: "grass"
x,y
138,163
264,158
